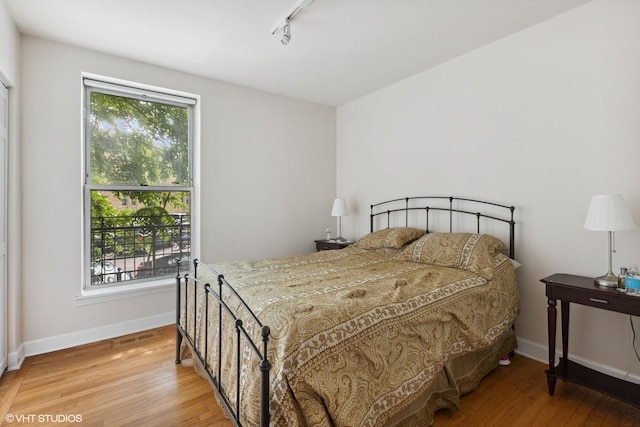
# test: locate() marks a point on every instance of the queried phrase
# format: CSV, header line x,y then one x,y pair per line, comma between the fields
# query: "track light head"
x,y
285,27
286,34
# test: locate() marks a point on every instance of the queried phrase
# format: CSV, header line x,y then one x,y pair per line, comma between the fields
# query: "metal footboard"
x,y
214,295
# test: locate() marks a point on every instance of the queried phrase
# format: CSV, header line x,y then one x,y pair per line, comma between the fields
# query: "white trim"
x,y
139,90
90,295
16,358
95,296
540,353
59,342
5,80
4,191
138,93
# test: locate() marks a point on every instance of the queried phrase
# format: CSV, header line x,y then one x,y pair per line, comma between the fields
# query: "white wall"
x,y
542,120
268,180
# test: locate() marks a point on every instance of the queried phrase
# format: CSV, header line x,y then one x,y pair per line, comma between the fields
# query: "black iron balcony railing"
x,y
135,248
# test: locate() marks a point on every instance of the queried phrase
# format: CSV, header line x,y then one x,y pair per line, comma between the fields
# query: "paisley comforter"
x,y
358,336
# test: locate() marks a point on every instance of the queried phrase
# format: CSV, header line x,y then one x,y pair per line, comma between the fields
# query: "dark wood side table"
x,y
326,245
581,290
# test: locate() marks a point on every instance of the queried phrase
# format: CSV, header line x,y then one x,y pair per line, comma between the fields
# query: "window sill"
x,y
96,296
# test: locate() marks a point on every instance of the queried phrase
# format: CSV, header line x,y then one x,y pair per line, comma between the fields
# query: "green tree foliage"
x,y
101,208
135,142
141,145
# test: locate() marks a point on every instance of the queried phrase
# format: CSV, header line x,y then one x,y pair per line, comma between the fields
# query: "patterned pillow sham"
x,y
388,238
467,251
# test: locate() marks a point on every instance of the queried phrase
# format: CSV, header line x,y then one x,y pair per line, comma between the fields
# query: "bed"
x,y
384,332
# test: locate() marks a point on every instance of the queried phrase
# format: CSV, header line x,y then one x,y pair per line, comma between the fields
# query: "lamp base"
x,y
609,280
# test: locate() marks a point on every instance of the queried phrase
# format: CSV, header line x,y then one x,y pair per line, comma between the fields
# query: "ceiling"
x,y
340,50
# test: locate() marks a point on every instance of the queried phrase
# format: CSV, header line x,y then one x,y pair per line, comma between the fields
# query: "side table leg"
x,y
564,308
551,324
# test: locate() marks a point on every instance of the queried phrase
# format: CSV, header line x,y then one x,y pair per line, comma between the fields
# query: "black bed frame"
x,y
428,205
389,210
182,294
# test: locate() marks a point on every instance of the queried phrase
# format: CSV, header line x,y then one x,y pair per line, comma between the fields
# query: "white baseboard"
x,y
16,358
59,342
532,350
540,353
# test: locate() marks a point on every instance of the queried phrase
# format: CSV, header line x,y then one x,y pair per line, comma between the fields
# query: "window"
x,y
139,184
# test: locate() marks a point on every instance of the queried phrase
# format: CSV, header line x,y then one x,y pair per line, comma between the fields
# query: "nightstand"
x,y
326,245
581,290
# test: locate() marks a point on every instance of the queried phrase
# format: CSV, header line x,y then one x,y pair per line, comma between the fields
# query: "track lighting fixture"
x,y
285,26
286,33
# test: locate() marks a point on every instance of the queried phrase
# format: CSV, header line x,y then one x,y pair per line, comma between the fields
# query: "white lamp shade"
x,y
608,212
339,208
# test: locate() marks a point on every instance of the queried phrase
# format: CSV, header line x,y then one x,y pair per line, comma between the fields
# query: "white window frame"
x,y
89,294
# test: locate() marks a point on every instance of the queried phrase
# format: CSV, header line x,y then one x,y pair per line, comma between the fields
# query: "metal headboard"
x,y
428,204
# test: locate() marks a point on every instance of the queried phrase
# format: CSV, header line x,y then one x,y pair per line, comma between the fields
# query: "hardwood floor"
x,y
133,380
517,395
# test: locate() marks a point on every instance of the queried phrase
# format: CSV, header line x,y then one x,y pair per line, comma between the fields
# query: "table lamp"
x,y
608,212
340,210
